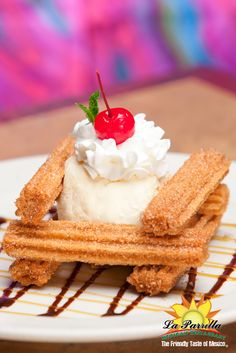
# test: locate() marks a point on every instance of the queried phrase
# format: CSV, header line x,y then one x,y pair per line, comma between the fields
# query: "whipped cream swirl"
x,y
140,156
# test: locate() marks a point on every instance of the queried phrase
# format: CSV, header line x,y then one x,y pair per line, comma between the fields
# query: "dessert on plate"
x,y
117,203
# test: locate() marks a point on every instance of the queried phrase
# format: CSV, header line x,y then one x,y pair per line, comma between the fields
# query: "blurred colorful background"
x,y
50,49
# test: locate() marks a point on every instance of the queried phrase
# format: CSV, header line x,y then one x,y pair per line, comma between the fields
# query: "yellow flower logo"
x,y
192,313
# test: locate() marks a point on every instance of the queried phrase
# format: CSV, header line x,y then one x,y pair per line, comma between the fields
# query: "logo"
x,y
194,318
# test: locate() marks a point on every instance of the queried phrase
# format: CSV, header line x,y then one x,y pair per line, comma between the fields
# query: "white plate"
x,y
82,320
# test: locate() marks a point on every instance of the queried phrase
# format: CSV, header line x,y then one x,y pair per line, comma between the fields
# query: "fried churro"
x,y
34,272
156,279
97,243
215,205
182,196
41,191
153,280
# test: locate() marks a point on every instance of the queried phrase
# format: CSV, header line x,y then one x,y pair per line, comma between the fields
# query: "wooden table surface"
x,y
193,112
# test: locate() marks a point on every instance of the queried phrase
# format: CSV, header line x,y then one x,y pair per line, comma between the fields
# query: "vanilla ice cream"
x,y
112,183
84,198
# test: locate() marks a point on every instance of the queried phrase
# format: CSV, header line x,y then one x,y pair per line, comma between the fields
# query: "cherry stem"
x,y
103,94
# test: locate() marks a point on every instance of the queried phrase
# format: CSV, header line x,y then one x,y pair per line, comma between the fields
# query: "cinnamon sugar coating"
x,y
39,194
32,272
153,280
66,241
156,279
183,195
185,214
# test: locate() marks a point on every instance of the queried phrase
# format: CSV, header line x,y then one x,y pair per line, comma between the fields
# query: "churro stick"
x,y
41,191
149,279
156,279
65,241
29,272
153,280
215,205
182,196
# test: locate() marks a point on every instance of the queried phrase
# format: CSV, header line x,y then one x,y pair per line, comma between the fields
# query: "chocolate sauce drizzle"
x,y
6,301
2,220
116,300
222,278
189,290
54,309
53,213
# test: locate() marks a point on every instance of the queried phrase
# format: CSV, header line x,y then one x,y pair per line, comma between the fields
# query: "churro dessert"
x,y
118,204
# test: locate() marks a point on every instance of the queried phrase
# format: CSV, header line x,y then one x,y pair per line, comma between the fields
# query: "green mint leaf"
x,y
87,111
92,111
93,104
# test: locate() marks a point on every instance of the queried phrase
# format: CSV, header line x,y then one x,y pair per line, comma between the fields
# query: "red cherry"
x,y
116,123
